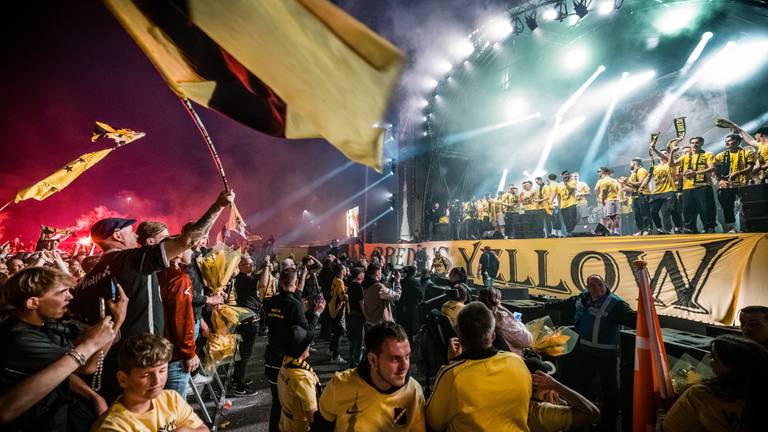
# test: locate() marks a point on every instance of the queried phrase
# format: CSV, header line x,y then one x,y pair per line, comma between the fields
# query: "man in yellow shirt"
x,y
481,388
760,143
734,168
545,202
663,198
582,193
698,198
297,384
567,196
378,395
639,192
607,192
533,216
144,405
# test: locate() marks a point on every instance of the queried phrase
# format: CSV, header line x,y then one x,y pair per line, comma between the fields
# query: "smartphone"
x,y
102,308
518,316
113,287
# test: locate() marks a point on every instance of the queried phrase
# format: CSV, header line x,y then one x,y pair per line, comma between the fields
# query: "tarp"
x,y
706,277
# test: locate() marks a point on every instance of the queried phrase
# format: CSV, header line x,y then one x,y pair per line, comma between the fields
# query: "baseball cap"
x,y
104,228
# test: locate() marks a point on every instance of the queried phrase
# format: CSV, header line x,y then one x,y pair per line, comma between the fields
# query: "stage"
x,y
705,278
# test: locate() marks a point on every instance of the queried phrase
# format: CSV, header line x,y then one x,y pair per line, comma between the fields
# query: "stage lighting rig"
x,y
517,26
561,10
530,20
580,7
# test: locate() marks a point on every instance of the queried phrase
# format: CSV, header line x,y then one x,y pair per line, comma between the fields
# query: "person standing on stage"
x,y
554,197
582,193
607,191
638,187
662,199
567,196
760,143
698,199
433,218
498,213
734,168
546,193
531,213
510,210
468,213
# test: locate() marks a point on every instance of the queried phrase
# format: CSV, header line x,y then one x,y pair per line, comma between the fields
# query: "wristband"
x,y
77,356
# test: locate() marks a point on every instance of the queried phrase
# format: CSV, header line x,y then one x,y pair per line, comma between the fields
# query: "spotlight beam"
x,y
696,53
295,233
372,221
294,196
503,180
603,128
461,136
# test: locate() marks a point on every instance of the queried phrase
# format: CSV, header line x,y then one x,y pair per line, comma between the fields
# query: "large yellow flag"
x,y
289,68
61,178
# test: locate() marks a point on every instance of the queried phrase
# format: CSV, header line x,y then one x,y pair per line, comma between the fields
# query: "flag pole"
x,y
6,205
207,138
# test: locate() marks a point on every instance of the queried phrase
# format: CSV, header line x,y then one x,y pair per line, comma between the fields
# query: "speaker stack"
x,y
754,206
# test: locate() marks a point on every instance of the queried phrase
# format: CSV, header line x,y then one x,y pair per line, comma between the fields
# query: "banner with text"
x,y
699,277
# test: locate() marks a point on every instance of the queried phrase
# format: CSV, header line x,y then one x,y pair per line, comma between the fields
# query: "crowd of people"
x,y
111,343
678,192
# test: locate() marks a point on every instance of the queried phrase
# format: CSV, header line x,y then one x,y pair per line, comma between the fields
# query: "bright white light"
x,y
497,29
631,83
696,53
424,118
577,94
549,14
461,49
568,127
573,19
605,7
430,83
515,107
503,180
443,66
575,58
422,103
676,18
425,133
736,64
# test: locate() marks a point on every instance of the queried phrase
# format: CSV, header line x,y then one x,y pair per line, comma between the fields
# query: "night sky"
x,y
71,64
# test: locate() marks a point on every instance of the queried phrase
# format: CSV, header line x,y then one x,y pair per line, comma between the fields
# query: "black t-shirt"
x,y
28,349
355,292
247,292
490,264
198,288
136,271
284,310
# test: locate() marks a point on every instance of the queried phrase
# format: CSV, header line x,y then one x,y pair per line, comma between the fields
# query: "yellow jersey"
x,y
548,417
697,162
354,404
700,409
169,412
638,176
528,199
610,185
545,193
338,305
567,194
487,391
510,199
762,158
663,180
297,387
583,190
483,209
737,161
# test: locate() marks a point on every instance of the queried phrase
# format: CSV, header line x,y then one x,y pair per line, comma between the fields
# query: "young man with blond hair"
x,y
144,404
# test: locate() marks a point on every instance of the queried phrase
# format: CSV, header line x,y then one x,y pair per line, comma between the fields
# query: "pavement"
x,y
251,413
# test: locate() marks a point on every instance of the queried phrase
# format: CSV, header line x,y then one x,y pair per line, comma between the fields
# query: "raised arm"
x,y
176,245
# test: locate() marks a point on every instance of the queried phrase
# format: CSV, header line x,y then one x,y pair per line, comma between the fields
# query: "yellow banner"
x,y
704,278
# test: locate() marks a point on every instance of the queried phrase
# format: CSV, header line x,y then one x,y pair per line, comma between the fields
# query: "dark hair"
x,y
33,282
337,269
746,376
409,271
606,170
490,297
378,334
287,276
355,272
755,309
734,136
373,268
475,325
697,138
552,176
460,272
143,350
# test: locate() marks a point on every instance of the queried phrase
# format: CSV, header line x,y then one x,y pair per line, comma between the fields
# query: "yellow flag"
x,y
235,222
61,178
292,68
